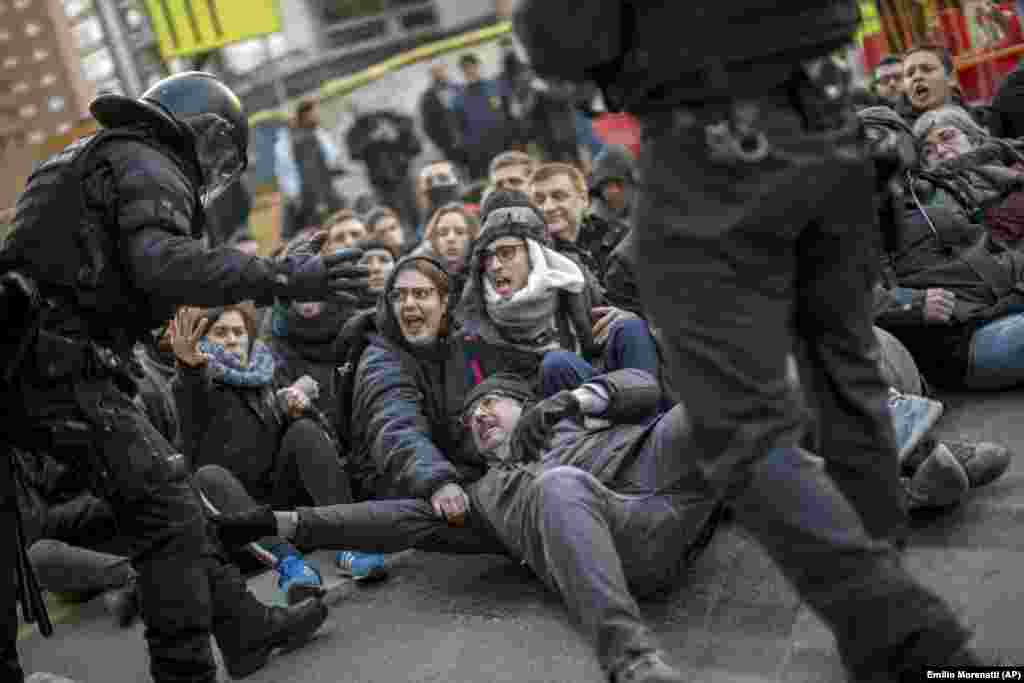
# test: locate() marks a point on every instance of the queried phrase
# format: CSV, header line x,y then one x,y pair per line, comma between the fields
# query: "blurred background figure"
x,y
386,142
306,161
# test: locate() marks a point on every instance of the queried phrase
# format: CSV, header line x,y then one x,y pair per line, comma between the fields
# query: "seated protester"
x,y
384,224
303,336
597,527
592,489
72,537
989,173
511,170
449,237
950,289
380,258
560,192
344,228
235,416
407,441
612,183
522,294
929,82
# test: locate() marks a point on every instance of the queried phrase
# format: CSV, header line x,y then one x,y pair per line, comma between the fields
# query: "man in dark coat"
x,y
386,142
753,226
436,114
109,231
586,488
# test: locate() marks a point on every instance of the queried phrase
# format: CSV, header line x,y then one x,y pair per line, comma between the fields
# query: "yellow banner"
x,y
870,21
188,27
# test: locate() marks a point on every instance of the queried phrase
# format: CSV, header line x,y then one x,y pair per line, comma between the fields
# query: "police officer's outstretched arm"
x,y
192,144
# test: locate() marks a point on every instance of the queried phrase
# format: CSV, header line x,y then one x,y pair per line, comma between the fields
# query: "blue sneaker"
x,y
298,580
912,418
362,566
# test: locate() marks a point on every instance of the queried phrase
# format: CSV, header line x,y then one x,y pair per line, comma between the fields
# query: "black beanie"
x,y
505,383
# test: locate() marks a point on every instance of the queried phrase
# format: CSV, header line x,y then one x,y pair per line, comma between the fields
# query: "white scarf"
x,y
528,316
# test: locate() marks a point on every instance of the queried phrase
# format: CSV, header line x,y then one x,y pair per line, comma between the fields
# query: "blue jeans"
x,y
997,354
630,345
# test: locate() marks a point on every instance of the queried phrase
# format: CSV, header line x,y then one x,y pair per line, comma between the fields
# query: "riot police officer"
x,y
754,219
109,230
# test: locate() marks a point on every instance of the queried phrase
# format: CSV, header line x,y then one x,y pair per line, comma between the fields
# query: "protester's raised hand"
x,y
186,331
534,429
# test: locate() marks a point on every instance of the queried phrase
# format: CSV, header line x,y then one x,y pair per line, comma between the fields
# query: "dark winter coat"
x,y
439,121
648,55
621,288
237,428
155,394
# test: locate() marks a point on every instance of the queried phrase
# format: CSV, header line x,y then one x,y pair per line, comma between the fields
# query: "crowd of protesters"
x,y
387,422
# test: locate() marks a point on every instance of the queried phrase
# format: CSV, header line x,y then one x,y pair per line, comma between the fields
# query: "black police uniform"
x,y
755,204
107,228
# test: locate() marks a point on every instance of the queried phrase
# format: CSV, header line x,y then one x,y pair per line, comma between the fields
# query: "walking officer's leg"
x,y
721,227
10,670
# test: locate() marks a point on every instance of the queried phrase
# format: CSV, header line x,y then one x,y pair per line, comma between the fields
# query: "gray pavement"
x,y
733,620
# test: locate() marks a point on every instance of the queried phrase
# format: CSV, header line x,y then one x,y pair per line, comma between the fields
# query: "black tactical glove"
x,y
534,429
305,275
238,528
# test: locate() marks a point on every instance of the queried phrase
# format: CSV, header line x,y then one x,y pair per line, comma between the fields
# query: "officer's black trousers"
x,y
742,257
187,591
10,670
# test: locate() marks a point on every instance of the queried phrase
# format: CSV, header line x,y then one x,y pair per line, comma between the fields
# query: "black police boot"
x,y
247,650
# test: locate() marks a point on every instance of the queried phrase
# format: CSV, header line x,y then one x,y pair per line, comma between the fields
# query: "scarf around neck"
x,y
527,318
227,368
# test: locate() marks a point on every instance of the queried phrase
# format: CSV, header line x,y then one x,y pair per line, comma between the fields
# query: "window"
x,y
47,80
32,29
27,111
22,4
37,137
10,62
55,103
5,35
3,7
63,128
19,87
39,54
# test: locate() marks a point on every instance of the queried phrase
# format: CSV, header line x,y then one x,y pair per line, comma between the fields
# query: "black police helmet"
x,y
171,101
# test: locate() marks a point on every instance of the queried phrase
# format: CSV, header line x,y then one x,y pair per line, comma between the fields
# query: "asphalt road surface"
x,y
733,620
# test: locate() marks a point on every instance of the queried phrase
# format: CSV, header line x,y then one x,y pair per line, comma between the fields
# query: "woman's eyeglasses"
x,y
418,294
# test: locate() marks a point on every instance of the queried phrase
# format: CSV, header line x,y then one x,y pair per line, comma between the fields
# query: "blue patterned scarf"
x,y
227,368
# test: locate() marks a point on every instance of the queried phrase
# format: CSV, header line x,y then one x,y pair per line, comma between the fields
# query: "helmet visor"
x,y
220,157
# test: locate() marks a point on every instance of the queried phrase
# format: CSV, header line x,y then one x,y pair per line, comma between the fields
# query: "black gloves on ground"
x,y
238,528
534,429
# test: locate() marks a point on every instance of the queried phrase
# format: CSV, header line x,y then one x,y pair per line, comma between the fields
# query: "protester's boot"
x,y
983,461
298,579
362,567
248,631
940,481
647,668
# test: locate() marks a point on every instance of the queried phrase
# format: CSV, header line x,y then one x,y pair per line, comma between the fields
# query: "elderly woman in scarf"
x,y
250,439
966,169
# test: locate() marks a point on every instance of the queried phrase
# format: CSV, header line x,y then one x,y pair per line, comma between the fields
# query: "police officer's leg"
x,y
724,236
156,507
10,670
